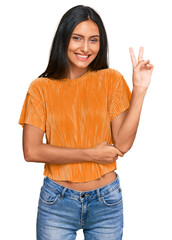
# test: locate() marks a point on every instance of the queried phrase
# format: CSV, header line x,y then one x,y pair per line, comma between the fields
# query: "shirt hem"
x,y
70,179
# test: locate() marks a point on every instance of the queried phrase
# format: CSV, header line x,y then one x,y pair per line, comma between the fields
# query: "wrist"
x,y
138,90
88,154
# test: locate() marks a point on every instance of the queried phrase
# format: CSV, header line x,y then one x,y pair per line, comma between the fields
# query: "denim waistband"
x,y
82,194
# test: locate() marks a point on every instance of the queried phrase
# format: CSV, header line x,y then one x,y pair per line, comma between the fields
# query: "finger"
x,y
148,64
120,153
147,61
141,64
150,67
133,57
140,57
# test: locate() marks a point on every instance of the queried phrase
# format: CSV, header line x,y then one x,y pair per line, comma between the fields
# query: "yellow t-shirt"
x,y
77,114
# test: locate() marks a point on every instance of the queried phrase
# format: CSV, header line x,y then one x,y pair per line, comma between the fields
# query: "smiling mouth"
x,y
82,57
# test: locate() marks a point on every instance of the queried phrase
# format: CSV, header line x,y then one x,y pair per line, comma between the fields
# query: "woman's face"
x,y
83,46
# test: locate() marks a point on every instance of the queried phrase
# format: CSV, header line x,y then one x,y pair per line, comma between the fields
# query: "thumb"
x,y
119,153
140,64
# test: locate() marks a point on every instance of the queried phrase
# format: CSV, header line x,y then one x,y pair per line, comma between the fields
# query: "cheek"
x,y
73,46
70,50
97,48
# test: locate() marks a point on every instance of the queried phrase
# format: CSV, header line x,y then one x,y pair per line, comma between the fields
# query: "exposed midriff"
x,y
91,185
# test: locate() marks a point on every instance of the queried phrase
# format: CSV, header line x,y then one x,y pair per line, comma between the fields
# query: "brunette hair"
x,y
58,63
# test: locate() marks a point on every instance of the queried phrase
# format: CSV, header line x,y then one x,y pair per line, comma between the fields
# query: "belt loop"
x,y
98,194
63,192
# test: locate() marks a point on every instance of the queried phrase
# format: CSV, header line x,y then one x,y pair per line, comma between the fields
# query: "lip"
x,y
82,59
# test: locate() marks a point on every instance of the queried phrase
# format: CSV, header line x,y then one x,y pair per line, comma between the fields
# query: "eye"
x,y
76,38
94,40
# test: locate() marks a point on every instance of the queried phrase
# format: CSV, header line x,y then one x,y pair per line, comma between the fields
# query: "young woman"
x,y
90,118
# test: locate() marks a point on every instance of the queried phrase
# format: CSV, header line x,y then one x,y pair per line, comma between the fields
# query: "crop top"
x,y
76,113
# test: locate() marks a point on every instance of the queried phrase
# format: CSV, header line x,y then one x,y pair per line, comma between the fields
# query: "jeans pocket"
x,y
48,195
113,197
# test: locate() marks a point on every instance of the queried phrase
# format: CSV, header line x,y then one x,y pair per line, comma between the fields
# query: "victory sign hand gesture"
x,y
142,70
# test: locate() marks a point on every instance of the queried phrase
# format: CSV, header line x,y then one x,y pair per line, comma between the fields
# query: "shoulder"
x,y
37,85
38,82
108,76
108,72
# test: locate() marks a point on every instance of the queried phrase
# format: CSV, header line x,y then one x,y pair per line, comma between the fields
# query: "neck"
x,y
76,73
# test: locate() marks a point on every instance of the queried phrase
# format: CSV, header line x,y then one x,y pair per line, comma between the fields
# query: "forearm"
x,y
47,153
128,128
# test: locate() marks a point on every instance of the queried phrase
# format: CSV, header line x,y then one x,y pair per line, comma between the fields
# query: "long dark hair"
x,y
58,63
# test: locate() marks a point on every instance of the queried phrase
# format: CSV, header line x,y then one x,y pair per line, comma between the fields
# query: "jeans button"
x,y
83,195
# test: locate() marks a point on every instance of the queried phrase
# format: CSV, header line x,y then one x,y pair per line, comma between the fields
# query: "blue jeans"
x,y
62,211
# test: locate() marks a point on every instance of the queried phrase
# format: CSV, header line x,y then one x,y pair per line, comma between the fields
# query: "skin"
x,y
85,40
124,126
142,70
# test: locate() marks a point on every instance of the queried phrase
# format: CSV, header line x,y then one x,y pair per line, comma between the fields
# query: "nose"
x,y
85,47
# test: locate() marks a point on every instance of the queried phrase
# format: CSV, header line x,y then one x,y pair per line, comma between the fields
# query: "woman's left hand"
x,y
142,70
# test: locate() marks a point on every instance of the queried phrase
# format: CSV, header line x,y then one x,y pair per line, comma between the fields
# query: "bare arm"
x,y
36,151
124,127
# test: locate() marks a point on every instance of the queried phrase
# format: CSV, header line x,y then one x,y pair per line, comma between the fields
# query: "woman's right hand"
x,y
105,153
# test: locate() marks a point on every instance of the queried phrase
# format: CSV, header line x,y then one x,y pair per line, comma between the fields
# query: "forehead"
x,y
86,28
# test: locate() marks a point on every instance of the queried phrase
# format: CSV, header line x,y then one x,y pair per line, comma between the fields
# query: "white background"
x,y
27,30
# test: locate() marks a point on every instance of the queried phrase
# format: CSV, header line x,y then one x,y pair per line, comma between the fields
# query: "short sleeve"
x,y
120,97
33,110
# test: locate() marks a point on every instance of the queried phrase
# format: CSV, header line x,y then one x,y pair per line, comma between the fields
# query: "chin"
x,y
82,66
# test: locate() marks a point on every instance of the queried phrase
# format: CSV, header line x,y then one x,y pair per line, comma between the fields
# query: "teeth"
x,y
82,56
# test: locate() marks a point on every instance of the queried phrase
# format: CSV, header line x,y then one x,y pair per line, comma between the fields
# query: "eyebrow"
x,y
83,36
